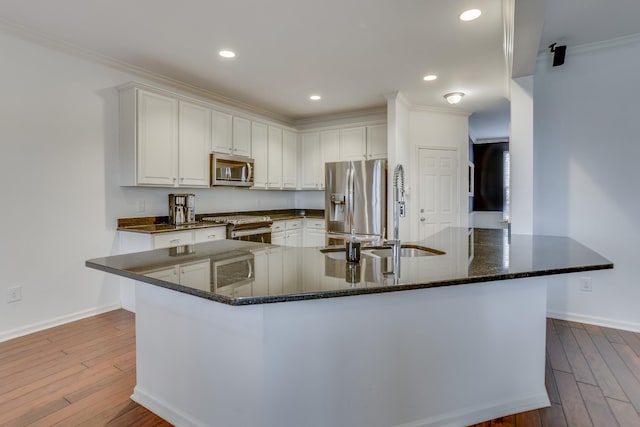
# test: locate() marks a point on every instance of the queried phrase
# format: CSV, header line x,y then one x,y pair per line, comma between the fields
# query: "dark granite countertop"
x,y
160,224
470,256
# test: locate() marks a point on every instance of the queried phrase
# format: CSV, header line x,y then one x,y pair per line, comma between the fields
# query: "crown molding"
x,y
440,110
595,46
374,114
49,42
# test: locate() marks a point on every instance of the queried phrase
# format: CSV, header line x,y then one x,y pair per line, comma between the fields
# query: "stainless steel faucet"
x,y
399,210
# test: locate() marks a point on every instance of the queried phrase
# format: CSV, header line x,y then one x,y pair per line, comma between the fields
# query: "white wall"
x,y
521,155
438,128
58,126
586,176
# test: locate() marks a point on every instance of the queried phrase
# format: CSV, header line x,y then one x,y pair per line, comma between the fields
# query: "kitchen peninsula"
x,y
453,339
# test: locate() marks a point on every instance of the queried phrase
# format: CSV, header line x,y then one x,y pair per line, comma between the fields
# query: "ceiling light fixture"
x,y
454,97
315,97
227,53
429,77
470,15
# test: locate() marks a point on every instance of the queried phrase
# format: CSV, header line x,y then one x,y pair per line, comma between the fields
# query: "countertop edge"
x,y
344,292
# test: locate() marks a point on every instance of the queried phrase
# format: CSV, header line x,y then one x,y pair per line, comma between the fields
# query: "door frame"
x,y
414,210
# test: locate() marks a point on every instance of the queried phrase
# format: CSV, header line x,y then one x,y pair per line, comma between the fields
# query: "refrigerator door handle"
x,y
350,197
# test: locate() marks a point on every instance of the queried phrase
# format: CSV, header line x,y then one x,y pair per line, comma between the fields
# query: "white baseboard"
x,y
594,320
467,417
476,415
163,409
46,324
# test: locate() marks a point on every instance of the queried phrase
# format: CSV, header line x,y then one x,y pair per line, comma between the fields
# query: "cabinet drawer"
x,y
168,240
210,234
277,226
293,224
316,224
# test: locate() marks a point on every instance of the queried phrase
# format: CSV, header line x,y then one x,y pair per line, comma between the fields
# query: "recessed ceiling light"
x,y
453,97
227,53
470,15
315,97
429,77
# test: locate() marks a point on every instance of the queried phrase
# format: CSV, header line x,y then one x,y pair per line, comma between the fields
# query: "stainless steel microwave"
x,y
234,171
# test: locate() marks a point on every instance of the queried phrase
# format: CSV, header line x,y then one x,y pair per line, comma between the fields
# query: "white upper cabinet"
x,y
241,136
274,163
259,152
156,140
311,164
353,143
289,160
377,142
194,142
231,135
330,145
221,129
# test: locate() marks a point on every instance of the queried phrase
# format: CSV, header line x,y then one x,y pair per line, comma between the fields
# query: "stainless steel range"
x,y
252,228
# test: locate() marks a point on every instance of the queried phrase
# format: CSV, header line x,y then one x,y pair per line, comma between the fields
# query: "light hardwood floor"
x,y
82,374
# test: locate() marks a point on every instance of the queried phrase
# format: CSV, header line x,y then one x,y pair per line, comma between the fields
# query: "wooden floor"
x,y
82,374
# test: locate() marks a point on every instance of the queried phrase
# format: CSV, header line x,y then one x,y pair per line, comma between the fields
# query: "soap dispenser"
x,y
353,248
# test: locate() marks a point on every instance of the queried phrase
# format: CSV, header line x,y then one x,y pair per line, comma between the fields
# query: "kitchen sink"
x,y
406,251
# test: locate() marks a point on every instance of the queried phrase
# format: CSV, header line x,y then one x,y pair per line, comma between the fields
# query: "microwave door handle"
x,y
250,275
249,172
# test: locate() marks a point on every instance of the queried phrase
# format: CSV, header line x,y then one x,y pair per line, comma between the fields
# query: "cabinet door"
x,y
196,275
289,160
293,238
259,154
221,131
275,270
330,146
314,238
241,136
278,238
311,173
194,145
353,143
274,168
170,274
290,273
377,142
261,273
157,148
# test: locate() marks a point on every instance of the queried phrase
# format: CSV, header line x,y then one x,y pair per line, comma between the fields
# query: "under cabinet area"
x,y
194,275
300,232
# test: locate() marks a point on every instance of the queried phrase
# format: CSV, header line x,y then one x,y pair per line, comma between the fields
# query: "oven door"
x,y
260,234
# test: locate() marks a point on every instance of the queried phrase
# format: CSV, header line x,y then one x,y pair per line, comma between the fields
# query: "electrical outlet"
x,y
14,294
586,284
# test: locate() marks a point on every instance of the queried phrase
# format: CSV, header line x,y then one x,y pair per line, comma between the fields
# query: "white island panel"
x,y
451,355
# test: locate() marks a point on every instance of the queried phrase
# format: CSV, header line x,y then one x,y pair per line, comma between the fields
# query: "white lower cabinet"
x,y
275,271
314,234
287,232
195,275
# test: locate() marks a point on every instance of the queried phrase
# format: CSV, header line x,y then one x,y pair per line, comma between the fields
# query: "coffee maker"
x,y
182,208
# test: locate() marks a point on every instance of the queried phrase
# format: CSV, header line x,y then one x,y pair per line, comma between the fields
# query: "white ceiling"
x,y
352,52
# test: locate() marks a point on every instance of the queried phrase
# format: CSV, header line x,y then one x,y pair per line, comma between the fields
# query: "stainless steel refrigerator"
x,y
356,199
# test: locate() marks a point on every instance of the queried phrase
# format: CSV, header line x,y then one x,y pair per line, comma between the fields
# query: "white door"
x,y
259,152
194,145
438,190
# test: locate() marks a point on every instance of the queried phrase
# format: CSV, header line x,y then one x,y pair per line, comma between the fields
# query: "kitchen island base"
x,y
445,356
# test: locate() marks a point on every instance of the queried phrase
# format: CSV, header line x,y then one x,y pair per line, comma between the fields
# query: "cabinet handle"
x,y
364,155
174,241
211,236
